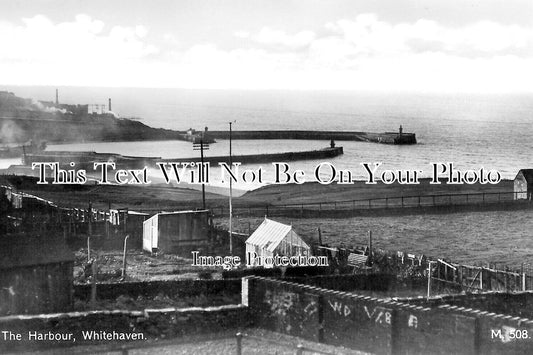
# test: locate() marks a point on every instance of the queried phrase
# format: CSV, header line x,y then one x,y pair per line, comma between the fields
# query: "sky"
x,y
374,45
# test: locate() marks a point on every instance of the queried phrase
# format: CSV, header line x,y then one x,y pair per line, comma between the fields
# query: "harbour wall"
x,y
387,137
267,158
87,159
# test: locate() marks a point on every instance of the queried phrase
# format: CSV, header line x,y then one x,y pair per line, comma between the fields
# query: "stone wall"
x,y
381,326
518,304
150,324
181,288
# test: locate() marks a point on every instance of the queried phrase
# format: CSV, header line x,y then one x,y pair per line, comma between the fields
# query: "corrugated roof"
x,y
138,213
175,213
269,234
184,212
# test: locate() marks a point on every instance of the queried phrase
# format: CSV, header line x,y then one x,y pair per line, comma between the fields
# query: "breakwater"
x,y
267,158
386,137
87,159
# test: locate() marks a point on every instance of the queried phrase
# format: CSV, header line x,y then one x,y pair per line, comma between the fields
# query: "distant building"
x,y
129,222
273,238
523,185
36,275
176,232
121,217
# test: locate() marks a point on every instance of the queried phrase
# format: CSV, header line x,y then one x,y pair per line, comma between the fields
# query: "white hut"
x,y
523,185
176,232
273,238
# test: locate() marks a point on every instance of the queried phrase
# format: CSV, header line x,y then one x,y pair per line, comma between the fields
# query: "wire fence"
x,y
417,201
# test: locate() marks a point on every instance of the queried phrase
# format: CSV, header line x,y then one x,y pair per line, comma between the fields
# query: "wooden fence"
x,y
469,278
482,278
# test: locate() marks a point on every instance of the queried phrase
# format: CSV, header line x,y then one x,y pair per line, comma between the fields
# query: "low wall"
x,y
345,282
182,288
380,326
518,304
150,324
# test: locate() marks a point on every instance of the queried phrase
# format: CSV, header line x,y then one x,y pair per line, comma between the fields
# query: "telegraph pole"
x,y
202,171
201,147
230,196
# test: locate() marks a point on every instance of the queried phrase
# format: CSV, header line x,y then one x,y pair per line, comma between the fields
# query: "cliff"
x,y
22,120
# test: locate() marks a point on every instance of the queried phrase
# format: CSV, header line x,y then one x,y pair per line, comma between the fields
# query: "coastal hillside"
x,y
24,119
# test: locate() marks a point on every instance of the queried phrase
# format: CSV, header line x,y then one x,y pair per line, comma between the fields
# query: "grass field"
x,y
470,237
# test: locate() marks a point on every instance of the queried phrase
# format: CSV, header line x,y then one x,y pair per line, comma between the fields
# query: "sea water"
x,y
471,130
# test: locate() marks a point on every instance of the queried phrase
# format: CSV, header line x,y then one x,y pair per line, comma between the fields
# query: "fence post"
x,y
94,271
239,343
124,256
299,349
402,201
386,202
506,278
429,278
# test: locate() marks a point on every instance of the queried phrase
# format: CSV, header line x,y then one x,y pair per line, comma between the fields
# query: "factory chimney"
x,y
109,104
57,97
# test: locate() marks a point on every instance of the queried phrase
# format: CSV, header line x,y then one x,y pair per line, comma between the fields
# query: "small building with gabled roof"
x,y
523,185
273,238
36,274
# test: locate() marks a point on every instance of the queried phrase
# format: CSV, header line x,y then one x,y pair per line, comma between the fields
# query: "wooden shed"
x,y
36,274
273,238
176,232
128,222
523,185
